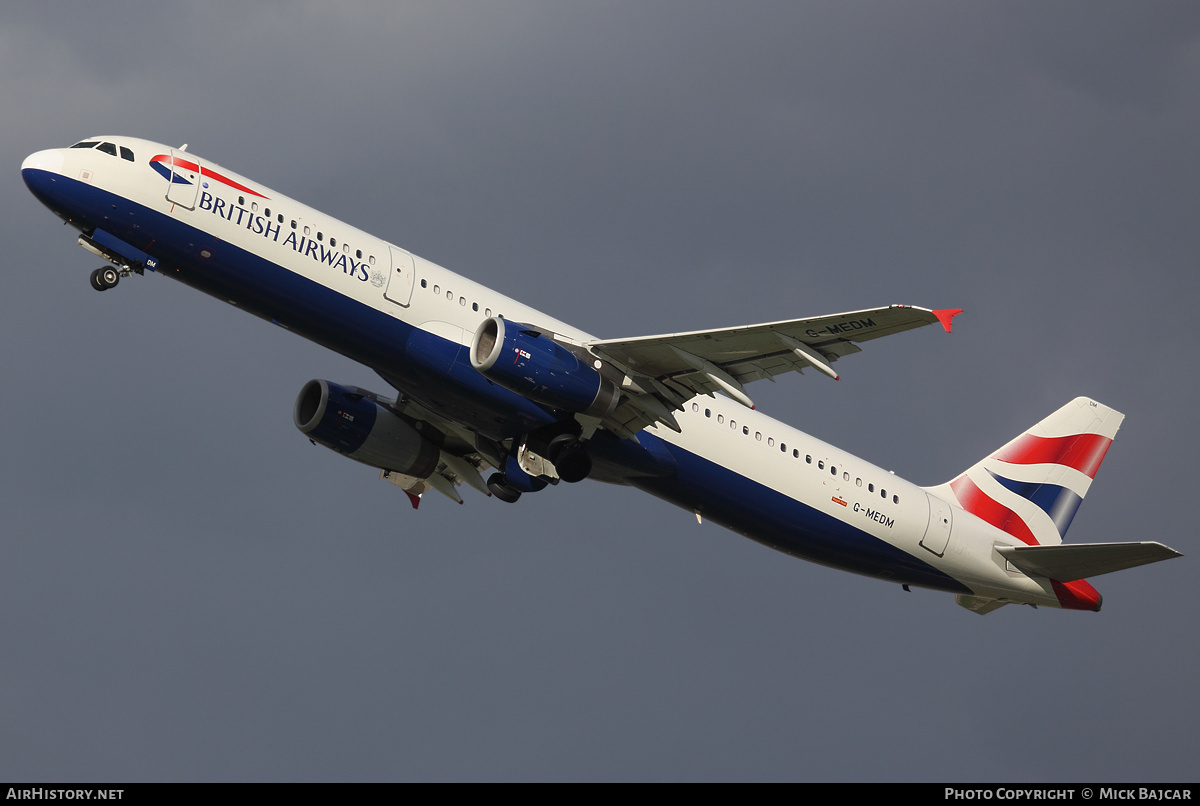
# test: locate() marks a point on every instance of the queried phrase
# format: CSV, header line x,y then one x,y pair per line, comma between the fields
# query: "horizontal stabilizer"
x,y
977,604
1066,563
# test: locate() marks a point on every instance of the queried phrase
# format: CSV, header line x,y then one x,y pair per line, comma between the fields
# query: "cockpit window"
x,y
86,144
107,148
126,154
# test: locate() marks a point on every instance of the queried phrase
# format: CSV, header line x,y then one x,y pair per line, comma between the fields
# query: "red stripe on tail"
x,y
983,506
1084,452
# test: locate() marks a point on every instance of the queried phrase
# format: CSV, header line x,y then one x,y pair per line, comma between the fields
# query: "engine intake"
x,y
521,359
348,421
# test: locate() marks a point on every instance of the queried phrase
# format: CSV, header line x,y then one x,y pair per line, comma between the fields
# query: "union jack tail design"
x,y
1032,487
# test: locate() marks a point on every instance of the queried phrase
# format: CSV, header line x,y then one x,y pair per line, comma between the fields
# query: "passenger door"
x,y
403,277
184,186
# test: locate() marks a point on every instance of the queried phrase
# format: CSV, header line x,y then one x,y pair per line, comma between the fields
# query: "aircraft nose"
x,y
48,160
41,172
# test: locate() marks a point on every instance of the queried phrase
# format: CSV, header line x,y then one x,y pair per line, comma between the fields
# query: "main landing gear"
x,y
105,278
497,485
570,458
563,458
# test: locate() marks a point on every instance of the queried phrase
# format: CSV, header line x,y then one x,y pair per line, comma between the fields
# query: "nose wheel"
x,y
105,278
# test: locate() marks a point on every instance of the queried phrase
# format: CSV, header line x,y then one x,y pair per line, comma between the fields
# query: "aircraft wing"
x,y
671,369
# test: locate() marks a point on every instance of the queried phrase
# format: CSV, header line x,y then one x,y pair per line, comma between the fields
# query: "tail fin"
x,y
1032,487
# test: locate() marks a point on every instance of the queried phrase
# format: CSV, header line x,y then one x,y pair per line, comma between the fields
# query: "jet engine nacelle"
x,y
521,359
348,421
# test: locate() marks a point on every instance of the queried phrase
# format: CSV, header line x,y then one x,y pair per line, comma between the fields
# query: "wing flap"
x,y
675,367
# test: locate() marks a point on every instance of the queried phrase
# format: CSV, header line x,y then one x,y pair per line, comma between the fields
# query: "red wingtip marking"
x,y
416,499
946,315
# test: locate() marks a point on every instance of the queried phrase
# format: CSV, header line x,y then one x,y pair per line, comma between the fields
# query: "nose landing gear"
x,y
105,278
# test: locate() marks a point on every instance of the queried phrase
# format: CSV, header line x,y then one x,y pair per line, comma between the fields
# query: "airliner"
x,y
486,386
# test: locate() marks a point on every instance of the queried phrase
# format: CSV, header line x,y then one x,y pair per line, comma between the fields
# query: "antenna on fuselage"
x,y
183,147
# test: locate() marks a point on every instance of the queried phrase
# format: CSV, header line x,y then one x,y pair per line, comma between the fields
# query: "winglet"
x,y
946,315
416,499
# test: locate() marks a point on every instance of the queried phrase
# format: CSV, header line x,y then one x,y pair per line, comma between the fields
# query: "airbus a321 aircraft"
x,y
488,385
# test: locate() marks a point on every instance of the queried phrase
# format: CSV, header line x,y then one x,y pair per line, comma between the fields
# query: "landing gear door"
x,y
403,277
937,532
184,187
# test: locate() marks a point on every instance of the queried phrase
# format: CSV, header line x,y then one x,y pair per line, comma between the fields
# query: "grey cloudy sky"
x,y
191,591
